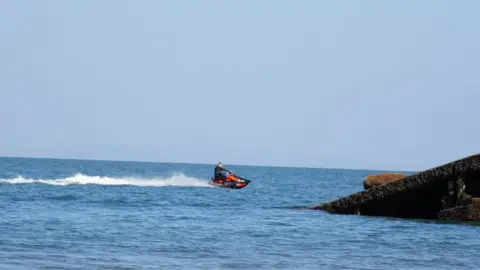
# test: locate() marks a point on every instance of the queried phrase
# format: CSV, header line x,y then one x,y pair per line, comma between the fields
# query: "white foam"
x,y
81,179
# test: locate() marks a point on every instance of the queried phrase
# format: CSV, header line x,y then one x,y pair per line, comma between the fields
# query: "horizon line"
x,y
201,163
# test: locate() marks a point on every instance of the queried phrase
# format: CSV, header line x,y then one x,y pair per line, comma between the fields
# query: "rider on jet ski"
x,y
222,173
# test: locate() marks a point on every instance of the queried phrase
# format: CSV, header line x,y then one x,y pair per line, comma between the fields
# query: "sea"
x,y
85,214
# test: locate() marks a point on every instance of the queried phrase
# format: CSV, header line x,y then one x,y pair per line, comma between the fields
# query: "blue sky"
x,y
344,84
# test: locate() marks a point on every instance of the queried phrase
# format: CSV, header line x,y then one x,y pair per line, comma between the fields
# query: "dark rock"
x,y
444,192
467,212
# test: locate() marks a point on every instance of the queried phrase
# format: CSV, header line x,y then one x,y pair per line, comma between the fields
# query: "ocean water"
x,y
70,214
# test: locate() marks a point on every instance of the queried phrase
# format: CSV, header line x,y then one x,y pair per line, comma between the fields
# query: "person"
x,y
220,173
223,174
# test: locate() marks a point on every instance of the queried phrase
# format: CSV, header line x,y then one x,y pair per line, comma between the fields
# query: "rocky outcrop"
x,y
466,212
374,180
449,192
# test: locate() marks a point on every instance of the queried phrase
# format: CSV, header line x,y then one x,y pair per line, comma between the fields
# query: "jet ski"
x,y
232,181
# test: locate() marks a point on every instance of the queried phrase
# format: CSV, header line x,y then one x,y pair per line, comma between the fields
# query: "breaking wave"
x,y
81,179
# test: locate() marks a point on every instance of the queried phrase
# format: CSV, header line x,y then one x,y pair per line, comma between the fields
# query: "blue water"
x,y
66,214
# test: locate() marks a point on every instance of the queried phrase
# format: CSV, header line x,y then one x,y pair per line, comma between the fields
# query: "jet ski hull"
x,y
232,184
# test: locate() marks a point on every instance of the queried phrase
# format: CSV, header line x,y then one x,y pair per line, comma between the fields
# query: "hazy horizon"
x,y
227,164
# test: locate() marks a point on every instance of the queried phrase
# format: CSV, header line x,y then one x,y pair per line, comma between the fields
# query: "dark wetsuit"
x,y
220,173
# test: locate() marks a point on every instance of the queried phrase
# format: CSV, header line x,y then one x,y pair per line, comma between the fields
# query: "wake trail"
x,y
81,179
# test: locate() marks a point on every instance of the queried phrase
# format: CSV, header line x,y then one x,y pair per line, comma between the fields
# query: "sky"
x,y
388,85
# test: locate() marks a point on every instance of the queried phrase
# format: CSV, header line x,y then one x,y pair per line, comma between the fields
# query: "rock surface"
x,y
374,180
448,192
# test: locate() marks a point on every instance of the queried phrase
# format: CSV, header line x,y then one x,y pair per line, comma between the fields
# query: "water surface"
x,y
67,214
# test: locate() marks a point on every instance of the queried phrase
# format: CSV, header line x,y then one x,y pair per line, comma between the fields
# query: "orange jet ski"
x,y
231,181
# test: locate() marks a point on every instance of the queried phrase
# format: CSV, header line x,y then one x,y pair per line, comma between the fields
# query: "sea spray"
x,y
177,179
